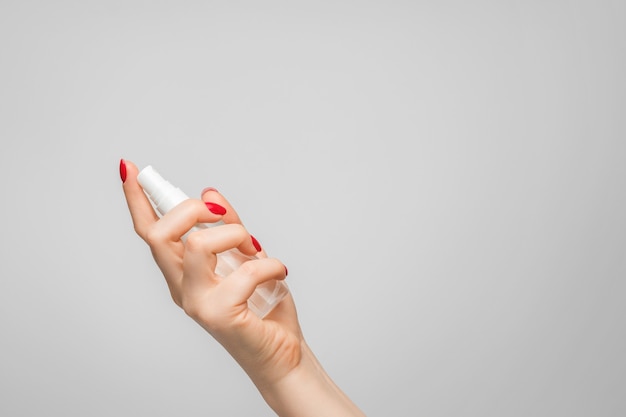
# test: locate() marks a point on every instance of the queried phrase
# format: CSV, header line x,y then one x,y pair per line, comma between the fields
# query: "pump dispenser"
x,y
165,196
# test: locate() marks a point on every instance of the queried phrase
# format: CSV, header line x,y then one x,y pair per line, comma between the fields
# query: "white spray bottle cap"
x,y
163,194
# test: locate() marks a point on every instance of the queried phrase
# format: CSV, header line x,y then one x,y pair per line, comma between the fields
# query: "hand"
x,y
272,350
267,349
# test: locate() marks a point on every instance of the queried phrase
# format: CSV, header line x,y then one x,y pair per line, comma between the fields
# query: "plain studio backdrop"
x,y
444,179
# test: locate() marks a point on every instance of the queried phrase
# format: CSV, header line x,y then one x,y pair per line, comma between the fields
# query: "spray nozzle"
x,y
163,194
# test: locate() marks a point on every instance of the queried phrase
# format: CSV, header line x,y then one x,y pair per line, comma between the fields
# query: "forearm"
x,y
308,391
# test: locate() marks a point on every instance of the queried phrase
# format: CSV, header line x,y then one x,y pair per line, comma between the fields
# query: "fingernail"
x,y
207,189
215,208
256,244
123,170
286,271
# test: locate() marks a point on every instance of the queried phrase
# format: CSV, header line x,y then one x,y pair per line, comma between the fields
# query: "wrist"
x,y
307,390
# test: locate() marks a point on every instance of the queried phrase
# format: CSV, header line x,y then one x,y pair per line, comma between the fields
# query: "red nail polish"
x,y
256,244
123,170
286,271
215,208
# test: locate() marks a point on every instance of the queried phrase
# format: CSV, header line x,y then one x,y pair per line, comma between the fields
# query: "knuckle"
x,y
191,308
139,231
195,242
205,314
193,208
249,269
238,229
177,300
154,236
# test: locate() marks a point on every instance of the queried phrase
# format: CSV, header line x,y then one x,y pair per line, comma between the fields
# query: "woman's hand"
x,y
267,349
272,350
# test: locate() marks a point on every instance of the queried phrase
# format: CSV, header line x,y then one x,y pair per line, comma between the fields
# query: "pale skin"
x,y
272,350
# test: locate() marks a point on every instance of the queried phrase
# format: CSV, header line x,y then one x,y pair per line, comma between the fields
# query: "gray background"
x,y
445,181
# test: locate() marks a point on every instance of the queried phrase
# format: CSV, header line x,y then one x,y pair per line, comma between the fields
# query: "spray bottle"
x,y
165,196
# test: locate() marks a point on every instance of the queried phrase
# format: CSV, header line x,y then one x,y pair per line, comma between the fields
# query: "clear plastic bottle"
x,y
165,197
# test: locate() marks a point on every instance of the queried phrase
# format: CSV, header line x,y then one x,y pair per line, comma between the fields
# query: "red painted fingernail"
x,y
215,208
286,271
123,170
256,244
207,189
